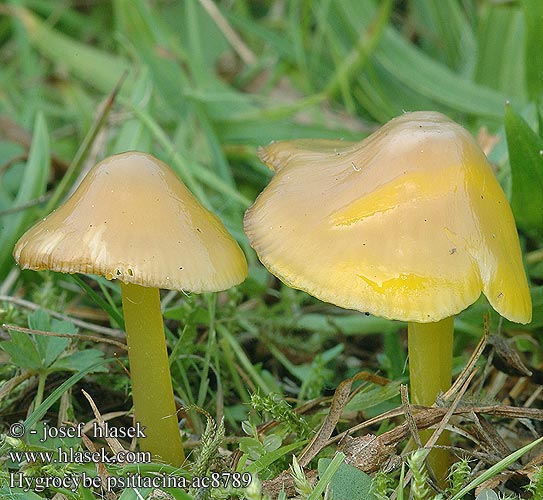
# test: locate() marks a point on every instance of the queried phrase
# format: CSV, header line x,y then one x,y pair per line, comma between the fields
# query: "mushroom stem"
x,y
152,390
430,359
430,348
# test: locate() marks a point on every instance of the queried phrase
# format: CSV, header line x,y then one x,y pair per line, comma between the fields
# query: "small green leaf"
x,y
487,494
347,483
251,447
526,158
44,353
22,351
372,396
49,348
271,442
79,360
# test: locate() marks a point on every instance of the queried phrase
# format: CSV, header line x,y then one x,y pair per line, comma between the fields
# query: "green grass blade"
x,y
144,32
190,171
500,49
113,313
326,477
366,44
533,17
244,360
432,79
448,36
97,68
40,411
526,159
496,469
218,159
33,184
407,63
133,135
400,489
75,166
269,458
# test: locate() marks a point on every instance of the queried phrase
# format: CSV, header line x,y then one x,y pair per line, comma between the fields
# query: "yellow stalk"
x,y
152,390
430,372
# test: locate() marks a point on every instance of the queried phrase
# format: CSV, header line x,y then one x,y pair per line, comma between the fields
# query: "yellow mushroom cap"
x,y
408,224
132,219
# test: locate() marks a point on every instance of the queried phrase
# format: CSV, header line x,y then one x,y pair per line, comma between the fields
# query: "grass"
x,y
259,369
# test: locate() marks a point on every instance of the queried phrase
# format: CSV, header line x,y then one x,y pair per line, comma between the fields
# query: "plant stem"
x,y
42,377
430,372
430,359
152,390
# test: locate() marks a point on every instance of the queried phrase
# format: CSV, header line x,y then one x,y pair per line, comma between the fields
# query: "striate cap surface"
x,y
408,224
132,219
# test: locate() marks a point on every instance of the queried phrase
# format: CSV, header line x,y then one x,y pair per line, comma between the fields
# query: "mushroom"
x,y
133,220
408,224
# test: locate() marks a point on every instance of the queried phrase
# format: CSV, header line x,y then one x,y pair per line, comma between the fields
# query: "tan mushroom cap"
x,y
132,219
408,224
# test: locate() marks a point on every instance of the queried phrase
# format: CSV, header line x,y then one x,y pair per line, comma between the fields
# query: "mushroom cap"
x,y
132,219
408,224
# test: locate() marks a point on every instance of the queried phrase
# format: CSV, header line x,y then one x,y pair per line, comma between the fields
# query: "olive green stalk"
x,y
152,390
430,347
